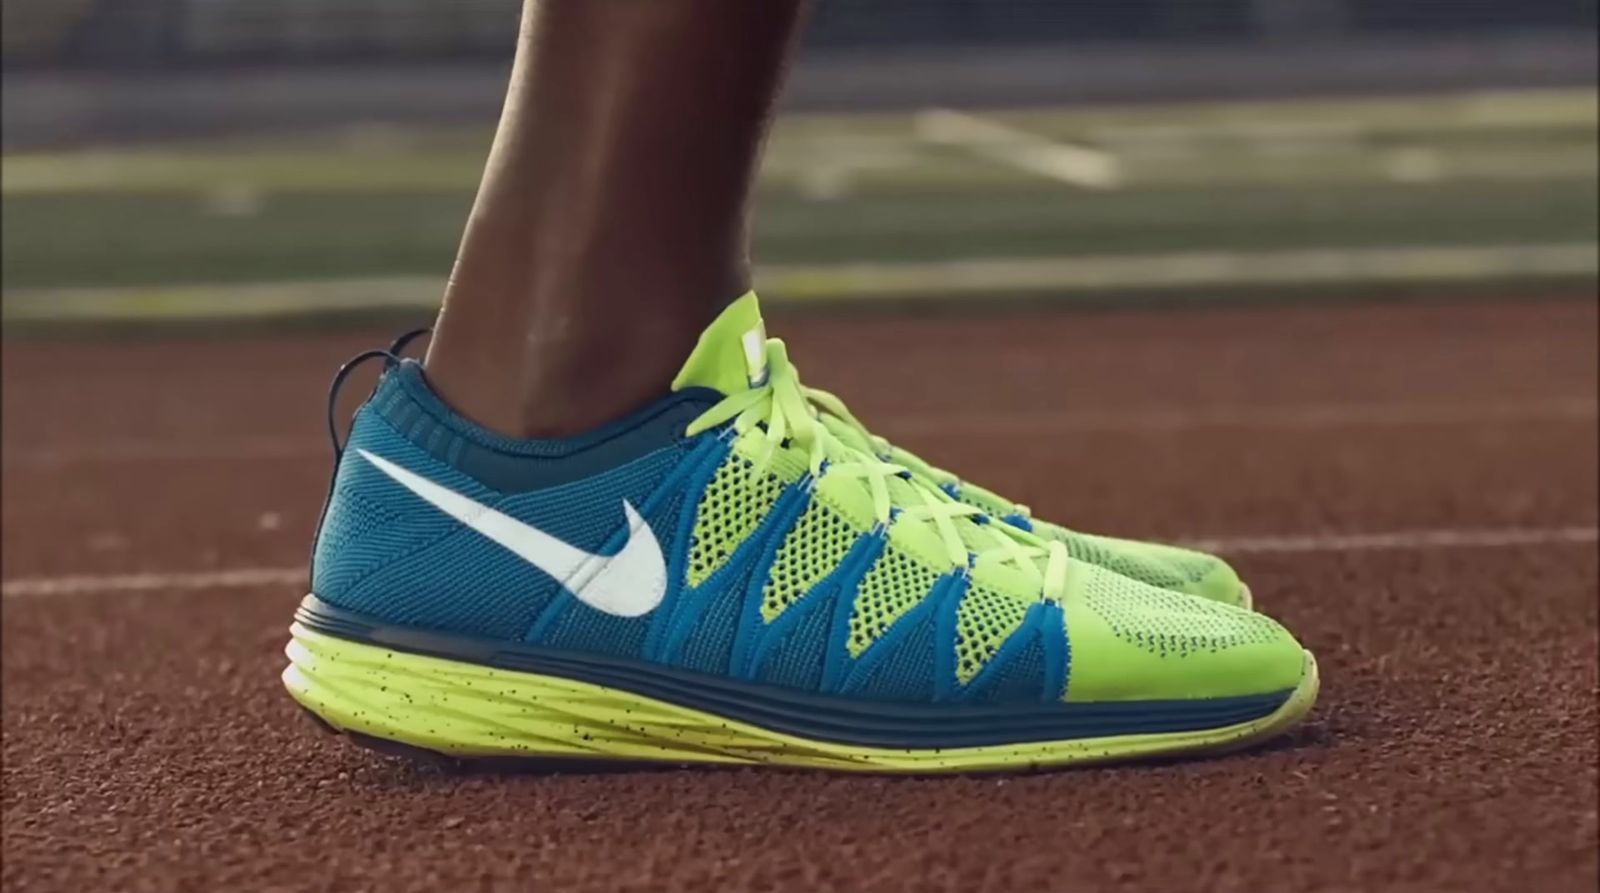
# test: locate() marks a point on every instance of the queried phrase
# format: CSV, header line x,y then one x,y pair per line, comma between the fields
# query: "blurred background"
x,y
184,158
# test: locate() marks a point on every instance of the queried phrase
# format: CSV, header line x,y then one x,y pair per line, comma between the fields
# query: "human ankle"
x,y
555,381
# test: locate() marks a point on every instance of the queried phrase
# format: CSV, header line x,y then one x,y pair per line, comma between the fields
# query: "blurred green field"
x,y
1468,171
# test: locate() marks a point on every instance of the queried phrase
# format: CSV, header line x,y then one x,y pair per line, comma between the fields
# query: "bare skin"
x,y
612,222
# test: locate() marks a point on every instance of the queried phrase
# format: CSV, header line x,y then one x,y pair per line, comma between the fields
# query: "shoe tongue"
x,y
732,353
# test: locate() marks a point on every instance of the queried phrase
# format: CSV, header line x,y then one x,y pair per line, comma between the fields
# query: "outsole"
x,y
461,715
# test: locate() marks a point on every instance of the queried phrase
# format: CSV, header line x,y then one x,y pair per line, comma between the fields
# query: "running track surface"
x,y
1412,488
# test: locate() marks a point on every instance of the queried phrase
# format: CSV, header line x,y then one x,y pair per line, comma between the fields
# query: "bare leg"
x,y
611,225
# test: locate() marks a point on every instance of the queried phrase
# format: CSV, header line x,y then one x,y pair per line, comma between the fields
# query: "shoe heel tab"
x,y
392,360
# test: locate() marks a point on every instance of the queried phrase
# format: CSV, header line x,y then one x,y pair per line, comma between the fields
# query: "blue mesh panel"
x,y
720,601
709,647
348,534
589,512
581,629
387,553
1018,680
475,591
797,660
906,674
373,523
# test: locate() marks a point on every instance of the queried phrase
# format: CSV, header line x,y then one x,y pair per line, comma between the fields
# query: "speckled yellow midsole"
x,y
469,710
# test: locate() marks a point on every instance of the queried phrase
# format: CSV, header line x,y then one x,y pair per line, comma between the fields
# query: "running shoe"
x,y
719,578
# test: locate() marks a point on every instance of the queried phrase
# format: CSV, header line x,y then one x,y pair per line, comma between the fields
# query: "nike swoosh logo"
x,y
630,583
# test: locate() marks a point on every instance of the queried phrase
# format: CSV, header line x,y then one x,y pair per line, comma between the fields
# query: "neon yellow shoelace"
x,y
783,409
839,420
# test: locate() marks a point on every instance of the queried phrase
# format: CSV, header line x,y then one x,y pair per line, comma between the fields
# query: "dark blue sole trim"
x,y
817,717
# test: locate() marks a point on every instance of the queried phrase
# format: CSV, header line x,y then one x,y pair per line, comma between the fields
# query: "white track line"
x,y
257,578
154,450
1328,415
238,578
967,425
1029,152
1402,540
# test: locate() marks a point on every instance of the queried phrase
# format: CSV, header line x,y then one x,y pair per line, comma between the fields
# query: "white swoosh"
x,y
628,584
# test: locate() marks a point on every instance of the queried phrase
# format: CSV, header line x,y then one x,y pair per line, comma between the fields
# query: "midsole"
x,y
833,718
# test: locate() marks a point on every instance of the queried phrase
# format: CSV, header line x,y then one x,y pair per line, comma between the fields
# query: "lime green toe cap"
x,y
1155,564
1212,579
1129,641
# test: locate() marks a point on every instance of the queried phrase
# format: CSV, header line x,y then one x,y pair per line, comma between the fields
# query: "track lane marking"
x,y
1329,415
1418,540
945,424
1088,167
90,584
1402,540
